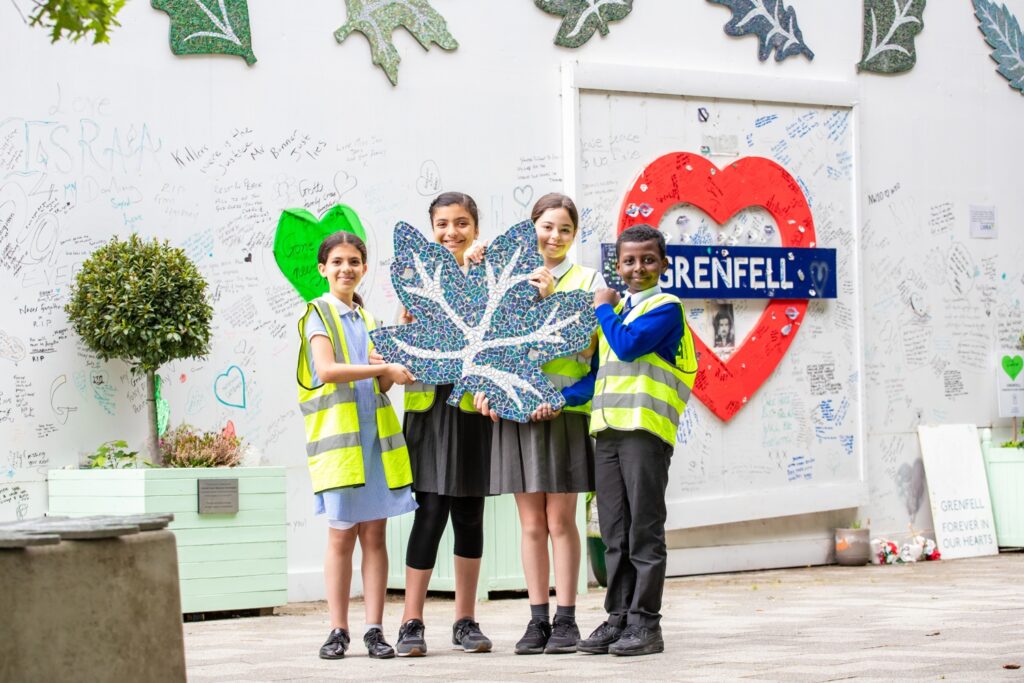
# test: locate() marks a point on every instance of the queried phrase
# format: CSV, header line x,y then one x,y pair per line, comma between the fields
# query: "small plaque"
x,y
218,496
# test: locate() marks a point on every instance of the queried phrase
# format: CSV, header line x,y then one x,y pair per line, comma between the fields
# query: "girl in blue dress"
x,y
359,464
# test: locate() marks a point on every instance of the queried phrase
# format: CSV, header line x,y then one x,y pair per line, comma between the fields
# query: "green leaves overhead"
x,y
209,27
75,19
1002,32
889,30
377,20
582,17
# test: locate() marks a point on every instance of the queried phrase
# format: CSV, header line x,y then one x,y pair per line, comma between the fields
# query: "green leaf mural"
x,y
377,20
582,17
209,27
1002,32
889,30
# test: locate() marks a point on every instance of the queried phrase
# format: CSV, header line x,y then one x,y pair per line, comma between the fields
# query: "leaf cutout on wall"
x,y
377,20
209,27
580,18
772,22
1002,33
485,331
889,30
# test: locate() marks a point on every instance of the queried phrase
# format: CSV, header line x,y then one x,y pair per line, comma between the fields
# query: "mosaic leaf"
x,y
377,20
582,17
772,22
889,30
488,330
1002,32
209,27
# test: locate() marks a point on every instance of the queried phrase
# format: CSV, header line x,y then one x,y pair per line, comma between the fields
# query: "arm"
x,y
644,335
330,371
583,390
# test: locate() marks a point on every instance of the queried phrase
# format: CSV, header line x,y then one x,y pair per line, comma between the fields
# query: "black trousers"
x,y
631,469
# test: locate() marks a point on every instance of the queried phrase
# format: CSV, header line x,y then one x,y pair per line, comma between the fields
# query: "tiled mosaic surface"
x,y
773,23
488,330
209,27
889,30
582,18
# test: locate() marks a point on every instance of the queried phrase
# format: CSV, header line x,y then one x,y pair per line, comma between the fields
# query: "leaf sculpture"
x,y
377,20
209,27
774,25
488,330
891,52
582,17
1002,32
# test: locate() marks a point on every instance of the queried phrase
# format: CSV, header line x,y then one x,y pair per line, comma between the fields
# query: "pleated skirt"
x,y
553,456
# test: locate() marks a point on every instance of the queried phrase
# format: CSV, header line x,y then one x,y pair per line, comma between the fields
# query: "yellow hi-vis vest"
x,y
648,393
566,371
334,454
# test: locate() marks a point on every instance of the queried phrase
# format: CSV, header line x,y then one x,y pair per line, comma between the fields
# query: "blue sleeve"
x,y
583,390
644,335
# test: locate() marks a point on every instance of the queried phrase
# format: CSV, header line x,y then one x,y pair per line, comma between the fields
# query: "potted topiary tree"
x,y
1004,464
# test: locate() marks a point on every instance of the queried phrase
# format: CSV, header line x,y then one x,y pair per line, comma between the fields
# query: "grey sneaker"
x,y
598,642
565,635
410,639
466,635
638,640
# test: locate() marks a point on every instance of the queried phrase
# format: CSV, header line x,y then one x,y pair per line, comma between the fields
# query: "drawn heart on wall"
x,y
684,178
297,239
229,387
1012,365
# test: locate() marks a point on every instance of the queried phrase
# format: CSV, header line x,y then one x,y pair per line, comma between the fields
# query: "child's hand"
x,y
405,317
398,374
544,412
606,296
376,358
483,406
543,280
475,253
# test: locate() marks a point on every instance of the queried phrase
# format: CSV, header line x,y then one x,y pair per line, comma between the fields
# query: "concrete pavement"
x,y
960,620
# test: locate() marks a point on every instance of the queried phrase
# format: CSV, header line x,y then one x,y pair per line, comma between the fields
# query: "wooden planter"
x,y
225,561
1005,469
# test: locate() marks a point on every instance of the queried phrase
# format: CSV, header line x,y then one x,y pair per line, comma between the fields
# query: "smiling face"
x,y
454,229
555,233
640,264
344,270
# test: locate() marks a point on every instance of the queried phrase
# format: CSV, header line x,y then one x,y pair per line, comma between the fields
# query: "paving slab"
x,y
960,620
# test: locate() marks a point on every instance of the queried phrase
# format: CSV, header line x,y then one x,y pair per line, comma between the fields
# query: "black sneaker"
x,y
410,639
466,634
638,640
376,646
337,643
536,637
565,635
598,642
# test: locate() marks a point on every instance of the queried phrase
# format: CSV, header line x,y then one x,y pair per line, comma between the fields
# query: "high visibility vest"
x,y
648,393
566,371
419,397
333,450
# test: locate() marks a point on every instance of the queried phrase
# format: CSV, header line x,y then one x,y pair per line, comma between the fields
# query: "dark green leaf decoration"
x,y
378,19
889,30
1002,32
75,19
141,302
581,18
773,23
209,27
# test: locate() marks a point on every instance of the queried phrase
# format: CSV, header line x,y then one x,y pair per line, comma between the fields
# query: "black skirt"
x,y
552,456
450,450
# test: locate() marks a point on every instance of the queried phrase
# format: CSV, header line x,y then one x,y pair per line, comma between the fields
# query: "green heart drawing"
x,y
297,239
1012,365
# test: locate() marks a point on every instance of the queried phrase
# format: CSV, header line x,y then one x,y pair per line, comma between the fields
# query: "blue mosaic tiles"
x,y
487,330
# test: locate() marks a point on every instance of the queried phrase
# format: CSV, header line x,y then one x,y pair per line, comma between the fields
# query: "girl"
x,y
547,461
450,451
357,458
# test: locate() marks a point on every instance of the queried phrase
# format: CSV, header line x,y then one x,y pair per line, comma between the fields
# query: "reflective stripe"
x,y
561,381
327,314
341,394
392,443
331,443
636,401
618,368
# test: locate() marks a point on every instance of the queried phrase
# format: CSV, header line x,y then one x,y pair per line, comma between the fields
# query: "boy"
x,y
646,367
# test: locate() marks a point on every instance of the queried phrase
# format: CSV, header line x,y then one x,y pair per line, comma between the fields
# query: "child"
x,y
549,460
357,458
646,368
450,451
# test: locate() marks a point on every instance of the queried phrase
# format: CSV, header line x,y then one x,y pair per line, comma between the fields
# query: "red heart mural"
x,y
683,178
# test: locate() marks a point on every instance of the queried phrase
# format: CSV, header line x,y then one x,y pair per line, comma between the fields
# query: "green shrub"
x,y
184,446
112,455
75,19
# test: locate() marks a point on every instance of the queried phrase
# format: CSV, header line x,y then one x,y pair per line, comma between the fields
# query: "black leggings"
x,y
467,514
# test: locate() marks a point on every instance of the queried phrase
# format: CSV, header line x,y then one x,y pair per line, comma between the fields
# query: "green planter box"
x,y
1005,469
225,561
501,568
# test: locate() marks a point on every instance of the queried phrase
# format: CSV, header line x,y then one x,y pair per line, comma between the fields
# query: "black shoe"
x,y
598,642
376,646
536,637
638,640
337,643
466,634
410,639
565,635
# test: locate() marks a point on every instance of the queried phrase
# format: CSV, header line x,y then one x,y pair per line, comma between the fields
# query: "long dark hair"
x,y
455,199
333,240
556,200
